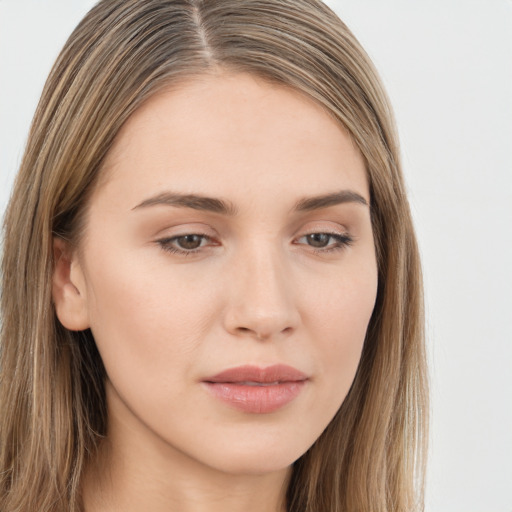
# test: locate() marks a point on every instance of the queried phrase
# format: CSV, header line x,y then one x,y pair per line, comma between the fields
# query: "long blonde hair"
x,y
371,456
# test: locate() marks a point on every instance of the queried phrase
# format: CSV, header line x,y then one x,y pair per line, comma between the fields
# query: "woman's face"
x,y
228,274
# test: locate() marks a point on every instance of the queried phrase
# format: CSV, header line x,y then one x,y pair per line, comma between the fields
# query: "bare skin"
x,y
276,267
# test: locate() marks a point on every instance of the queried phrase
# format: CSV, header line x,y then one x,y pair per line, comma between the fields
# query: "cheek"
x,y
138,315
340,314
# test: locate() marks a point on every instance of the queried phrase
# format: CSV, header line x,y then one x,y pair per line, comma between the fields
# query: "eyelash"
x,y
341,242
166,244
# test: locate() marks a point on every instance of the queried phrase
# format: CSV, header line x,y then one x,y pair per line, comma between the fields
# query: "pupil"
x,y
318,239
189,241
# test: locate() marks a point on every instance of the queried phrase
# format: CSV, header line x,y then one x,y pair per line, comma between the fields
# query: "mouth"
x,y
257,390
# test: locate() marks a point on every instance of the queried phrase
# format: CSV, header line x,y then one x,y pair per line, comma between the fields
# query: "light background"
x,y
447,65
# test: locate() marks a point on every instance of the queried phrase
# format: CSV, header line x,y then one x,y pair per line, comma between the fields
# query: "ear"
x,y
68,288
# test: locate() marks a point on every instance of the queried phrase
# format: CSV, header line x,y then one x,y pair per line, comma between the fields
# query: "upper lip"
x,y
271,374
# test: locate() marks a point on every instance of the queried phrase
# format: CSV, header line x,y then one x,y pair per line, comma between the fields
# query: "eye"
x,y
318,239
325,242
190,242
185,244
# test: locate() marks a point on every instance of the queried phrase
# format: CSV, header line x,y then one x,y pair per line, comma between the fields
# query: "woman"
x,y
211,287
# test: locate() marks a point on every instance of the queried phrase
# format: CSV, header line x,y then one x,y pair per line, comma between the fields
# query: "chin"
x,y
261,458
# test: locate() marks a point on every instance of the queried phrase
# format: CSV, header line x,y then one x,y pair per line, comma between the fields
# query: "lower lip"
x,y
256,399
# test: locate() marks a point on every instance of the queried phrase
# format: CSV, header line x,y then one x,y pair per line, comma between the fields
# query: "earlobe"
x,y
68,288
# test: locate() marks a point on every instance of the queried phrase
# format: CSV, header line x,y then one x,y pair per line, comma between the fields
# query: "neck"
x,y
113,484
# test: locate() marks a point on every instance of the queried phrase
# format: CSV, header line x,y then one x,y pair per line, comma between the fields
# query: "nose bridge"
x,y
262,300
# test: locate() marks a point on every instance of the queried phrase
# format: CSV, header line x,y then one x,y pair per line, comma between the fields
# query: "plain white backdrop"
x,y
447,65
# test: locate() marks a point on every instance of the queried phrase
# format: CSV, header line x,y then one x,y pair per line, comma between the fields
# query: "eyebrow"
x,y
327,200
196,202
221,206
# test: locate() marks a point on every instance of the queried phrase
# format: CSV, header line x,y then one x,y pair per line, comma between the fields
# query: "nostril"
x,y
252,332
262,335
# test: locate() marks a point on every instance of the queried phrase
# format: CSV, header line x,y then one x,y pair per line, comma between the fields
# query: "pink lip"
x,y
257,390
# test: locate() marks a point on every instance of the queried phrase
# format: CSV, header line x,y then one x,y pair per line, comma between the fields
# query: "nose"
x,y
262,304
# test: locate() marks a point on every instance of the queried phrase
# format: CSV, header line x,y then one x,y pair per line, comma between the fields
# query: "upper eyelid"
x,y
300,234
185,233
315,225
334,234
323,225
174,232
176,237
326,231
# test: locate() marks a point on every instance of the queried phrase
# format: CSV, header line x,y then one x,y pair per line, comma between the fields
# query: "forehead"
x,y
223,131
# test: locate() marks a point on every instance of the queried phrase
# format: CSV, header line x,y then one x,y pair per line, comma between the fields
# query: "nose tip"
x,y
261,327
262,303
